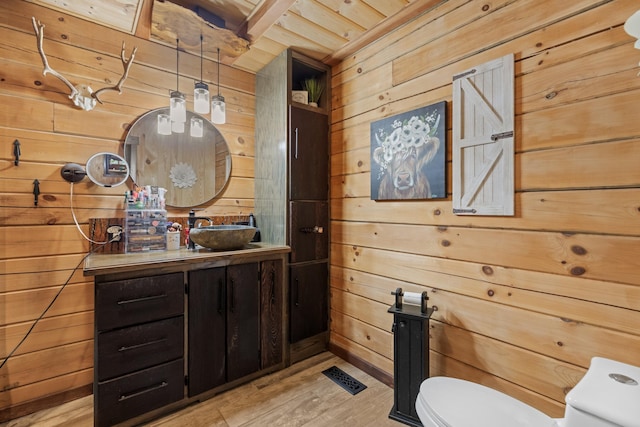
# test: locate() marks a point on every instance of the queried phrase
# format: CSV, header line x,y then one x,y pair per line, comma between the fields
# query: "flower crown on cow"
x,y
406,135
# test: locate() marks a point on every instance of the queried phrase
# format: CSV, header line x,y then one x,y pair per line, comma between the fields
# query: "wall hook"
x,y
16,152
36,191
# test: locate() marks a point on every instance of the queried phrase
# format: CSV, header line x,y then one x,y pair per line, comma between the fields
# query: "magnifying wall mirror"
x,y
193,169
104,169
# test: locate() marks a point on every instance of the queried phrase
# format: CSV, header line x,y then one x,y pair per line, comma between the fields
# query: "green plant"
x,y
314,89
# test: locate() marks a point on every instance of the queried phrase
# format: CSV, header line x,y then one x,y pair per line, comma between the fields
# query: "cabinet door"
x,y
308,301
271,315
308,155
207,339
243,320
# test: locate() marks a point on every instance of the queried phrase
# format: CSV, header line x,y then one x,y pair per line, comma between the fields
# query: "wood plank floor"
x,y
299,396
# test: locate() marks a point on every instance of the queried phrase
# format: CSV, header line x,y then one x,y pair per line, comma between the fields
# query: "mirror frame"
x,y
178,162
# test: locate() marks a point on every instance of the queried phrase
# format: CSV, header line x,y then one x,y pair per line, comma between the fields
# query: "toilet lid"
x,y
451,402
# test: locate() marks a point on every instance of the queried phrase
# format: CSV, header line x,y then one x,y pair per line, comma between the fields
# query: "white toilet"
x,y
607,396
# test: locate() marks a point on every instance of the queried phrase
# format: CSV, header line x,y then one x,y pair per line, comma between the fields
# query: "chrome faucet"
x,y
192,223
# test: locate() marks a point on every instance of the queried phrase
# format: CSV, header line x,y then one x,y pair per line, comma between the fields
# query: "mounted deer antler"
x,y
81,95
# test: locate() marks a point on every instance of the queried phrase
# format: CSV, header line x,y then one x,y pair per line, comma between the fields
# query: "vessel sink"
x,y
222,237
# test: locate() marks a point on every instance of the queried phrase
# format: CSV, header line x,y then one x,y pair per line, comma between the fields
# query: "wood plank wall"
x,y
522,302
40,246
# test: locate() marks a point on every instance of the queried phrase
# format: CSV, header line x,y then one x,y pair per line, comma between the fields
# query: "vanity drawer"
x,y
131,301
122,351
127,397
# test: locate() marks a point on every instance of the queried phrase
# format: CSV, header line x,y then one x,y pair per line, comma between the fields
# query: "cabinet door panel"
x,y
308,301
308,155
271,316
207,339
309,231
243,320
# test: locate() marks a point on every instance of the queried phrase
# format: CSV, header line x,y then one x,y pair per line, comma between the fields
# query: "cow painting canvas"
x,y
408,155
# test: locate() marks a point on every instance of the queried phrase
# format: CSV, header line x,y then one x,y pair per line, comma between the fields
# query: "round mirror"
x,y
107,169
193,165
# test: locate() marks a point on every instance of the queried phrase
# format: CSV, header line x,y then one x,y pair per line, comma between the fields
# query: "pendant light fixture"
x,y
177,105
201,91
218,107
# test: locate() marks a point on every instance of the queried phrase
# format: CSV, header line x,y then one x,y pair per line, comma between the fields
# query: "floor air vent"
x,y
344,380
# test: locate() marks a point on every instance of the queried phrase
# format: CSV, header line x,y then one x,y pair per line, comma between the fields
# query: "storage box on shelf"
x,y
145,229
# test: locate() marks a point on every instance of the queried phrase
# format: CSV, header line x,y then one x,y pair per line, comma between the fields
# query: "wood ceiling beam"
x,y
170,21
264,17
387,25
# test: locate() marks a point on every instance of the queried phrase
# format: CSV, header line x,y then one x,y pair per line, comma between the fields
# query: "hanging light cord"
x,y
200,58
177,65
218,71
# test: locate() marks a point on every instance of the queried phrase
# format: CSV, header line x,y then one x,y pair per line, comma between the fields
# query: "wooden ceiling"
x,y
255,31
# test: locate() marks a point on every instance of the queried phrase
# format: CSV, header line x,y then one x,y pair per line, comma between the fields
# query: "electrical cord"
x,y
115,238
75,220
4,362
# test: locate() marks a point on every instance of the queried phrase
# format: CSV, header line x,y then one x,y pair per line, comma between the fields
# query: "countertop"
x,y
100,264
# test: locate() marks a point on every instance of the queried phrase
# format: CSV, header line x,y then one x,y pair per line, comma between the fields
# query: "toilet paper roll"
x,y
413,298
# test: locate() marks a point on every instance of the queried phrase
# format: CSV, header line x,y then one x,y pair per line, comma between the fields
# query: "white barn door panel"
x,y
483,139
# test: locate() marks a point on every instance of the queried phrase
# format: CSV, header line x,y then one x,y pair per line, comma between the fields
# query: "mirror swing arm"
x,y
103,169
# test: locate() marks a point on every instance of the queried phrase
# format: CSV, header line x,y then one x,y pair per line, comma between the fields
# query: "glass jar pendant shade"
x,y
178,107
164,124
196,128
201,98
177,127
218,107
201,91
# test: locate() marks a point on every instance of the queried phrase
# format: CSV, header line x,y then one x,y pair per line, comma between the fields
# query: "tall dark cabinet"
x,y
292,191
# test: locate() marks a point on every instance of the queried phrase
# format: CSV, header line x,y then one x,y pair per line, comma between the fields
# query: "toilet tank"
x,y
608,395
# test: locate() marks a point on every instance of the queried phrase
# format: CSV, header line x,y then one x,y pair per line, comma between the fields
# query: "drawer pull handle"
x,y
134,347
143,299
124,397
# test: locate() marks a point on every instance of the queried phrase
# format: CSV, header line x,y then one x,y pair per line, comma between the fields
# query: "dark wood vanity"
x,y
175,327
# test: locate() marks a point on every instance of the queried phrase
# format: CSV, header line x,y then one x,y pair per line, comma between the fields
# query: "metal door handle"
x,y
296,152
273,286
233,295
315,229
